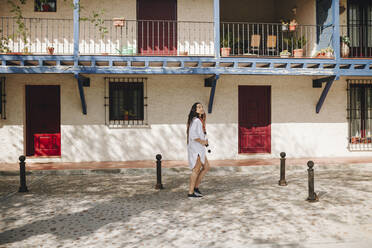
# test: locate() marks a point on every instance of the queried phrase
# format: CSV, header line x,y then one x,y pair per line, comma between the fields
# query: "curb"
x,y
221,170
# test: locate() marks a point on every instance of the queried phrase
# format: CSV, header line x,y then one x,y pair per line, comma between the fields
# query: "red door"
x,y
254,119
43,131
157,27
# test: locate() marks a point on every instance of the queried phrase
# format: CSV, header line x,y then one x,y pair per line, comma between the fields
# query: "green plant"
x,y
285,53
125,50
4,44
345,39
296,42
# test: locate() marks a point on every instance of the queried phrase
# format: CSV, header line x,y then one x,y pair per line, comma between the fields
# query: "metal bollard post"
x,y
282,181
312,195
159,185
22,173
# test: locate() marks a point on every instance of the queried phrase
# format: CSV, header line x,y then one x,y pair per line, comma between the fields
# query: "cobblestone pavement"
x,y
241,208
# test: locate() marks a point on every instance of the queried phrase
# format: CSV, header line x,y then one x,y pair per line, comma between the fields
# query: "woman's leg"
x,y
204,170
194,175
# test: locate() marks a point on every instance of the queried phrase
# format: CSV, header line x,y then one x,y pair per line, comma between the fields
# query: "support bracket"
x,y
80,80
211,82
329,81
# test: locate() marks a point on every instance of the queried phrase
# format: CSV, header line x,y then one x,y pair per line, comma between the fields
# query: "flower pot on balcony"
x,y
118,22
284,27
50,50
225,51
298,53
345,50
292,27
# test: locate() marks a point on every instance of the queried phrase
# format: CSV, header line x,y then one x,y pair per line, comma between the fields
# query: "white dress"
x,y
194,148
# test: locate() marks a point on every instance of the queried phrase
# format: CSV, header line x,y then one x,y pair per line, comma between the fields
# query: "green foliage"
x,y
296,42
345,39
4,44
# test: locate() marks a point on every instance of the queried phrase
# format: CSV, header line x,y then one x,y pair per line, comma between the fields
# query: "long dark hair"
x,y
193,115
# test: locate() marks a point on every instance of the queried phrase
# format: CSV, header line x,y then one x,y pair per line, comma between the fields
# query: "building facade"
x,y
294,76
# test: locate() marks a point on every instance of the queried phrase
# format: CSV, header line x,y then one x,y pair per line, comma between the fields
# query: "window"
x,y
360,112
45,5
125,101
2,98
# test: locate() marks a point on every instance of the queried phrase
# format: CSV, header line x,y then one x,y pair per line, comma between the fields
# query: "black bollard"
x,y
312,195
158,173
282,181
22,173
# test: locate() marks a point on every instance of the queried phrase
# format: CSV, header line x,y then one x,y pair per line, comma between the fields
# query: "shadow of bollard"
x,y
312,195
282,181
158,185
22,174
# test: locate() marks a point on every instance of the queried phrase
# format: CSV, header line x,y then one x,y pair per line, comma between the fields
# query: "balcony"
x,y
356,41
112,37
245,39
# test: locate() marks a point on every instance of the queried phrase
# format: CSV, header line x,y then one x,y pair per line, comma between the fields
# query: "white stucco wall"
x,y
296,128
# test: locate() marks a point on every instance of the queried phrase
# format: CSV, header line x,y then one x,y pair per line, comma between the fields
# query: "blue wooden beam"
x,y
211,82
322,98
76,30
336,28
216,14
81,92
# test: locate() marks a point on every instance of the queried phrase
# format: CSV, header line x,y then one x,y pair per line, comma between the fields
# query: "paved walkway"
x,y
242,207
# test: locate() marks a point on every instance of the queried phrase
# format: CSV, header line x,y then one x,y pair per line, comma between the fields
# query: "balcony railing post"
x,y
217,49
76,31
336,28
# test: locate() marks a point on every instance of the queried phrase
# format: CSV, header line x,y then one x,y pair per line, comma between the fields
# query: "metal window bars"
x,y
125,102
359,113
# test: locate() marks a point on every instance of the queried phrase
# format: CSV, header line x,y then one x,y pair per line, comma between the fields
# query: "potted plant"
x,y
284,25
292,25
50,50
285,54
225,49
118,22
126,115
296,44
345,46
325,53
329,52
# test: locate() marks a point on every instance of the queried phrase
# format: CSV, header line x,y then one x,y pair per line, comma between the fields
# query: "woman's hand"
x,y
204,142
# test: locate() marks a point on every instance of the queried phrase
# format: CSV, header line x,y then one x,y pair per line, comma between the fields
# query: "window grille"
x,y
2,98
360,113
125,102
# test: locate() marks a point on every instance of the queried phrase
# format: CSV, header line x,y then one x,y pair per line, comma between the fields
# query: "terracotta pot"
x,y
298,53
345,50
50,50
184,53
118,22
225,51
292,27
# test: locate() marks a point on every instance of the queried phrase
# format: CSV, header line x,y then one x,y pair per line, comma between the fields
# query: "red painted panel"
x,y
254,119
47,144
157,27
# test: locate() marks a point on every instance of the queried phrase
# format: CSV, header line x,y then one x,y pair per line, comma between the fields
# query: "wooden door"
x,y
157,27
43,129
254,119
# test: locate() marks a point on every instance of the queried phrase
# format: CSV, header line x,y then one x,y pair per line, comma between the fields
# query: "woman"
x,y
196,142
